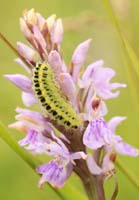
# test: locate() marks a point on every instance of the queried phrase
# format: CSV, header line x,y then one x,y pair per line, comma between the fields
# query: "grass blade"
x,y
127,49
27,157
132,72
128,174
63,193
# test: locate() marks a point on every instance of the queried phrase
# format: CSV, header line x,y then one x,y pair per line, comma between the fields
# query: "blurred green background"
x,y
82,19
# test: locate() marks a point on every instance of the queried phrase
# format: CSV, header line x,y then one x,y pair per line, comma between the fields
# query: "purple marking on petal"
x,y
53,173
21,81
36,142
97,134
93,137
28,99
30,138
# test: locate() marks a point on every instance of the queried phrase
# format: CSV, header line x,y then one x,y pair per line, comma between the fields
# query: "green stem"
x,y
93,185
87,179
90,189
7,137
94,188
128,174
99,187
28,158
4,39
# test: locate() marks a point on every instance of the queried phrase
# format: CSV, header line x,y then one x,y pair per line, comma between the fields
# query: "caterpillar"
x,y
52,100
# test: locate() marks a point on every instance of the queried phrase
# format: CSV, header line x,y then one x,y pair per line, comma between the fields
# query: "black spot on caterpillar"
x,y
51,98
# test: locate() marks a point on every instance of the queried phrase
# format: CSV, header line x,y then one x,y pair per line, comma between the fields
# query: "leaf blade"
x,y
63,193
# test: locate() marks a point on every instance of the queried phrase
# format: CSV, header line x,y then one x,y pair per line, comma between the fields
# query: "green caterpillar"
x,y
51,98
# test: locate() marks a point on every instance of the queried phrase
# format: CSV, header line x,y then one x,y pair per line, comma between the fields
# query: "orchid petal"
x,y
114,122
53,173
108,165
91,68
33,117
19,125
57,34
78,155
29,138
20,62
93,135
21,81
24,28
79,57
51,21
28,99
41,21
55,61
92,165
80,52
126,149
68,87
30,16
28,53
39,37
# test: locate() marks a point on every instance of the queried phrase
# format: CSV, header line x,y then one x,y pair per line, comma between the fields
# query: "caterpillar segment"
x,y
51,98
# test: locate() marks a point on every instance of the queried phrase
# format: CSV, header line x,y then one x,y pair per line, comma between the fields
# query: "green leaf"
x,y
66,193
133,57
130,55
128,174
131,66
27,157
132,72
72,192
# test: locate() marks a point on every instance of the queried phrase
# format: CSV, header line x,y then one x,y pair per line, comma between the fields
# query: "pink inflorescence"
x,y
85,90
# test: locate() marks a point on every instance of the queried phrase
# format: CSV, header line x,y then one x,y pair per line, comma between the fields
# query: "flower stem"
x,y
99,188
94,188
4,39
93,185
87,179
90,189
